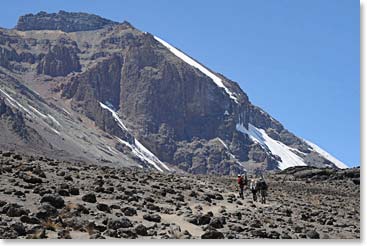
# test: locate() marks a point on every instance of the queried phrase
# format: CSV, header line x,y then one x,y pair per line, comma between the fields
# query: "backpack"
x,y
246,180
262,185
253,185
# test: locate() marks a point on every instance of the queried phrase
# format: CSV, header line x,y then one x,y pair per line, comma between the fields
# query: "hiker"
x,y
241,184
262,186
253,189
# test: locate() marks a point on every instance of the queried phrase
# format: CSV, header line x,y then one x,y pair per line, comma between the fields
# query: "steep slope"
x,y
134,99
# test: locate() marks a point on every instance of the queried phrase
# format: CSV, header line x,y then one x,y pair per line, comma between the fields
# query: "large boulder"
x,y
54,199
90,197
212,235
119,223
152,217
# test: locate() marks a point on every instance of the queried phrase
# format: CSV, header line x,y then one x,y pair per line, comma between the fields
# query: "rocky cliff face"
x,y
59,61
151,101
63,21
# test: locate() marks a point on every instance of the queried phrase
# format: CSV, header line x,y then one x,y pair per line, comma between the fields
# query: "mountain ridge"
x,y
182,112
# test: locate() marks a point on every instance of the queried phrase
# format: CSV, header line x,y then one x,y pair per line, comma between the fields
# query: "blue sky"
x,y
297,59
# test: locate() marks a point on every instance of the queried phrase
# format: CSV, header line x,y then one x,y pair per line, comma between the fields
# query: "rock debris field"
x,y
43,198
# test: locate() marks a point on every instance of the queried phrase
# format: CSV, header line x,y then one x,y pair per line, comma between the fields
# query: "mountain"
x,y
78,87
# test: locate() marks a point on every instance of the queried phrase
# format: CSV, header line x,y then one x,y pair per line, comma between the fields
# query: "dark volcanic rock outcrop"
x,y
59,61
64,21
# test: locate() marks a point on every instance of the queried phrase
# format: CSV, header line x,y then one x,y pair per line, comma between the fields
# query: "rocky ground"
x,y
46,198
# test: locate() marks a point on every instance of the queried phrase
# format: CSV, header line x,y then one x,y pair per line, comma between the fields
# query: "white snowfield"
x,y
218,81
54,120
222,142
12,101
115,116
326,155
37,111
289,159
137,148
286,153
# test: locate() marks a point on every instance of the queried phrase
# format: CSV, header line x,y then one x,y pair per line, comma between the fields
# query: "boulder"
x,y
54,199
212,235
119,223
45,211
141,230
103,207
90,197
152,217
312,234
129,211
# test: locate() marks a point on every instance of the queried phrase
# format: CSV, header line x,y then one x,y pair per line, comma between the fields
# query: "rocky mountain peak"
x,y
122,96
64,21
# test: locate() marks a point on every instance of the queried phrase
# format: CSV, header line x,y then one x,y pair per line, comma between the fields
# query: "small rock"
x,y
141,230
212,235
18,228
119,223
54,199
217,222
298,229
29,220
29,178
313,234
129,211
152,217
103,207
64,234
45,211
74,191
153,207
90,197
63,192
68,177
204,219
14,210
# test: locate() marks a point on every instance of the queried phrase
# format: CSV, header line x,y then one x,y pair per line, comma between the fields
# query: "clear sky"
x,y
297,59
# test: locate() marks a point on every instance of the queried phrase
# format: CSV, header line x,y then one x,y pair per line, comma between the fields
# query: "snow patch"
x,y
218,81
15,102
288,158
55,131
326,155
149,154
54,120
222,142
144,154
66,111
37,111
137,148
114,115
12,104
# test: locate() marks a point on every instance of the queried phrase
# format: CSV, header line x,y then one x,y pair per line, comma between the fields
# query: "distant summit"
x,y
64,21
121,96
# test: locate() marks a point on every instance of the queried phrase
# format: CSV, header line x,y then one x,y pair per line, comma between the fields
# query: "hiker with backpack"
x,y
262,186
241,181
253,189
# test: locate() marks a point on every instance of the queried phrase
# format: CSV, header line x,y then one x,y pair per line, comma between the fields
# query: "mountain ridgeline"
x,y
94,90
